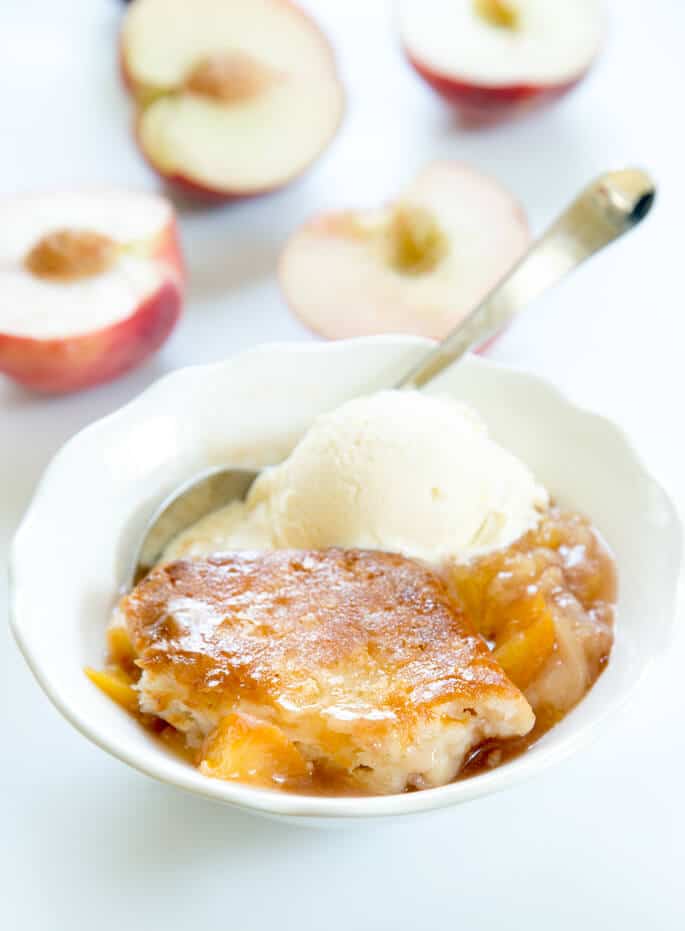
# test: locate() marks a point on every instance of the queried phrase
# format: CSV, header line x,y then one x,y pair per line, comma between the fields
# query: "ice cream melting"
x,y
399,471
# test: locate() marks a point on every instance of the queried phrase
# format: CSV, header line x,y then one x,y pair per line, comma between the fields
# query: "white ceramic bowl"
x,y
72,551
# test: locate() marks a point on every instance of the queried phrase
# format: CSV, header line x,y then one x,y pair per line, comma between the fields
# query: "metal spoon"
x,y
613,204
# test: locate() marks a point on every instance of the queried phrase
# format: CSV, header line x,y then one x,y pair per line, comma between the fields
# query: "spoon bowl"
x,y
193,500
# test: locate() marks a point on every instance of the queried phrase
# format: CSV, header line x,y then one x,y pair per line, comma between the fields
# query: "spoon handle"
x,y
613,204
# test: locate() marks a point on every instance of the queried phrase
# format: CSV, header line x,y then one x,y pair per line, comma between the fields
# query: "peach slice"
x,y
121,652
248,750
492,57
91,284
417,266
524,651
237,99
116,685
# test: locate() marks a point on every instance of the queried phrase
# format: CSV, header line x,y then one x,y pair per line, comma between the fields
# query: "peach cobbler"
x,y
319,648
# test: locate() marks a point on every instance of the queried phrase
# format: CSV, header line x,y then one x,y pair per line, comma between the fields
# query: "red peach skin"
x,y
480,103
212,196
59,366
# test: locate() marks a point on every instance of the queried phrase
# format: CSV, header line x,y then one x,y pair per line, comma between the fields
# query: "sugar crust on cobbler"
x,y
360,661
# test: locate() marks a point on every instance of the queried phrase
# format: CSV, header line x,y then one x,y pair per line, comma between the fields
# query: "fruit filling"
x,y
71,254
546,607
245,749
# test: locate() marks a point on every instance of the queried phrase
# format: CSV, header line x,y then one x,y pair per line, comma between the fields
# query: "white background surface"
x,y
598,842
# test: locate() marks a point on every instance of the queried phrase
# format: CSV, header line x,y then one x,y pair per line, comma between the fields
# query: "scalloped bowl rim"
x,y
151,759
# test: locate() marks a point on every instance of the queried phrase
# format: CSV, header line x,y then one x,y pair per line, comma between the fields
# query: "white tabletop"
x,y
597,842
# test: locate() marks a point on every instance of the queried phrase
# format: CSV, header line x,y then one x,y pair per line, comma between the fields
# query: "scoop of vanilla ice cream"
x,y
400,471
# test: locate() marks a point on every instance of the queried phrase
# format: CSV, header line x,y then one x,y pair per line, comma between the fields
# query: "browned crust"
x,y
263,626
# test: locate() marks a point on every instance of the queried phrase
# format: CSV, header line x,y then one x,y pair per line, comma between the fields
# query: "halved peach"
x,y
91,284
492,57
418,265
236,99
